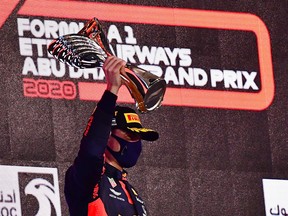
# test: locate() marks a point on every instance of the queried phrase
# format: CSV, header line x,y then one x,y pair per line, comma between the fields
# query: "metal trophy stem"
x,y
89,48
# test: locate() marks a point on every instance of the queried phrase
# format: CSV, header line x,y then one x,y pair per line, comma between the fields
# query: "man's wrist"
x,y
113,89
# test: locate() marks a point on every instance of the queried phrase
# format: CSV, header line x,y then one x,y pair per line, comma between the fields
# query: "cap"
x,y
127,119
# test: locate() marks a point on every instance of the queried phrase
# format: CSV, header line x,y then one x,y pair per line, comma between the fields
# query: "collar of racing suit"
x,y
115,173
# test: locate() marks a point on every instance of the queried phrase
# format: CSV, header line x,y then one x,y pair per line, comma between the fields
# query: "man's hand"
x,y
112,68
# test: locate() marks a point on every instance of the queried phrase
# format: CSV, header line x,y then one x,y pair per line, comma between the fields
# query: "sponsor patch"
x,y
132,118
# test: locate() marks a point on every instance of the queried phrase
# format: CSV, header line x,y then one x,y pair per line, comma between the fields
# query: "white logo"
x,y
45,195
115,192
18,184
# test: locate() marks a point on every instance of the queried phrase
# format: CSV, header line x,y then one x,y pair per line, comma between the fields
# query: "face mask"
x,y
129,152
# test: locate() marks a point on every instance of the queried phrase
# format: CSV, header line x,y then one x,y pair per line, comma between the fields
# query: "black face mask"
x,y
129,152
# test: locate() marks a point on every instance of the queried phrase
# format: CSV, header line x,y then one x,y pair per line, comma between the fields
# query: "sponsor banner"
x,y
190,82
275,196
29,191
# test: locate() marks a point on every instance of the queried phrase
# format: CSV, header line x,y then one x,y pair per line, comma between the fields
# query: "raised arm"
x,y
86,170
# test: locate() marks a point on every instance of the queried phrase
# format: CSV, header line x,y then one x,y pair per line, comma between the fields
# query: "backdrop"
x,y
223,122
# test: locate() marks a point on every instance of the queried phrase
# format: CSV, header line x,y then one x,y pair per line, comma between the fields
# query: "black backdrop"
x,y
208,161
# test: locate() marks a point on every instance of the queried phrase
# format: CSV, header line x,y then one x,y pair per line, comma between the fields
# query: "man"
x,y
96,184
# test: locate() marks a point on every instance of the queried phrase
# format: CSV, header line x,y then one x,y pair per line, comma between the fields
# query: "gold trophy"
x,y
89,48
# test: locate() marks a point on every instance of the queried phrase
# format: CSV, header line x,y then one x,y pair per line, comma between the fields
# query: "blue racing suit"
x,y
93,188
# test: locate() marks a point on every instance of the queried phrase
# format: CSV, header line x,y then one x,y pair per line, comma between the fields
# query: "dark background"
x,y
207,161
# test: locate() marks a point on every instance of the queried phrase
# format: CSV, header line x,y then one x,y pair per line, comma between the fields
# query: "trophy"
x,y
89,48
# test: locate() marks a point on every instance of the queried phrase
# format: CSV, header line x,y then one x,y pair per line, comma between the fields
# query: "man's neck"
x,y
112,161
